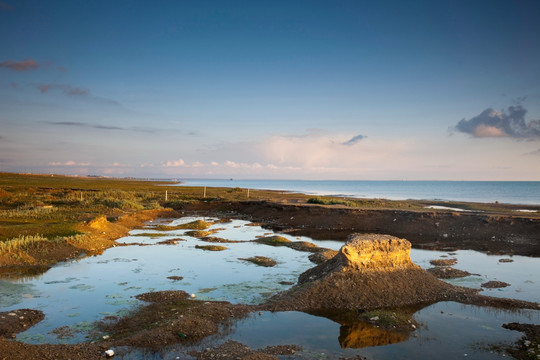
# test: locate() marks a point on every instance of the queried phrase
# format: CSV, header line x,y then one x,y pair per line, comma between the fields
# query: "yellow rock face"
x,y
374,251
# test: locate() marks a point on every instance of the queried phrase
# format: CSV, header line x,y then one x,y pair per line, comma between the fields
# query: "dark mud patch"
x,y
170,318
261,261
163,296
175,278
506,260
286,283
134,244
171,241
214,239
446,272
528,347
443,262
486,232
63,332
15,321
494,284
235,350
16,350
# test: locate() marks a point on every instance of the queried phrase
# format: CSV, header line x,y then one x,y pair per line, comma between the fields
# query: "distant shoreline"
x,y
525,193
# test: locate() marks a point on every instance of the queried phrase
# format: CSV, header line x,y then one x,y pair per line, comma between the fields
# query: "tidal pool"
x,y
75,294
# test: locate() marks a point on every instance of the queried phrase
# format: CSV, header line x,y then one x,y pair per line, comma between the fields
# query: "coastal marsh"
x,y
77,293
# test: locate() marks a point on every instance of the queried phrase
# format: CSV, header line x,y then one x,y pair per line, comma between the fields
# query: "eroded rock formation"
x,y
370,271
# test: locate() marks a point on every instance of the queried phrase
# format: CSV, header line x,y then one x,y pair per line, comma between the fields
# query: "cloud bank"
x,y
506,123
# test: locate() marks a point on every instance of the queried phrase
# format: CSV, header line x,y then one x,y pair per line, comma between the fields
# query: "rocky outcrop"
x,y
370,271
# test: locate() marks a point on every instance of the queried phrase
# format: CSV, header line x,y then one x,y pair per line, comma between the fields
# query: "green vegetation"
x,y
211,247
260,260
200,233
275,240
21,243
362,203
330,201
197,225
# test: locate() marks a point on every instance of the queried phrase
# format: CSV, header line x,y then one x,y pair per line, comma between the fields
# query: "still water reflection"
x,y
77,293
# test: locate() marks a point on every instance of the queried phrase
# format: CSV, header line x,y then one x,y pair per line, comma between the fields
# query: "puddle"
x,y
75,294
521,273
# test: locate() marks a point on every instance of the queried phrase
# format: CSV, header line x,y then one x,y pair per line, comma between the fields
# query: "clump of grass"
x,y
261,261
275,240
76,239
211,247
21,243
28,211
324,201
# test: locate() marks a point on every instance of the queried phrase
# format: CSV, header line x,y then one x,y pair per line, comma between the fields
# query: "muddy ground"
x,y
429,229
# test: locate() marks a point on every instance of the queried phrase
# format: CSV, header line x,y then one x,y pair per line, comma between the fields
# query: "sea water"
x,y
510,192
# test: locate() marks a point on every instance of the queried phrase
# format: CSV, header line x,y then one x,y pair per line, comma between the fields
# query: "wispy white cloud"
x,y
69,163
174,163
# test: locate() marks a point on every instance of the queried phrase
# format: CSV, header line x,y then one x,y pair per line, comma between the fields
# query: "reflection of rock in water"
x,y
361,334
376,328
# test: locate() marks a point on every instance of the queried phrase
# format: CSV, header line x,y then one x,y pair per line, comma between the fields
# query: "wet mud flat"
x,y
171,324
429,229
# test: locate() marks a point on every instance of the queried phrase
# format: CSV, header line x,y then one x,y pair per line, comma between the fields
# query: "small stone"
x,y
12,314
109,353
193,296
527,343
375,318
105,337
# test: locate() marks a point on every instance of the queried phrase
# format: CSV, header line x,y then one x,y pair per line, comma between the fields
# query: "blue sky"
x,y
434,90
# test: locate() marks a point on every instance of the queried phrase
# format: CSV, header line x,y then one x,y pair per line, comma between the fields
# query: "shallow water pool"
x,y
75,294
